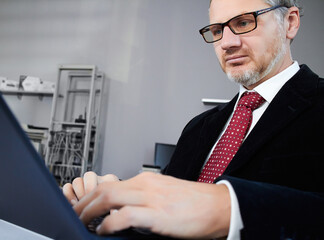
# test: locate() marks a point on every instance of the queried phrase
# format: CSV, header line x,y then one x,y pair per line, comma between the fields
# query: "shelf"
x,y
71,124
64,165
82,91
212,101
21,93
77,67
79,91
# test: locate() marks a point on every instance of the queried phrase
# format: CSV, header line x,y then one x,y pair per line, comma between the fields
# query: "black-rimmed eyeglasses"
x,y
240,24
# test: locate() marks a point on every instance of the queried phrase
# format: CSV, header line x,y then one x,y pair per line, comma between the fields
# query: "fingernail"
x,y
73,201
98,228
113,211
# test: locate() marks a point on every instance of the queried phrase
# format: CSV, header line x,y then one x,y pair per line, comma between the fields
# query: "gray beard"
x,y
253,76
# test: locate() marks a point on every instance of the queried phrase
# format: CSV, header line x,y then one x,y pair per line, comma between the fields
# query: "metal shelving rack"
x,y
72,147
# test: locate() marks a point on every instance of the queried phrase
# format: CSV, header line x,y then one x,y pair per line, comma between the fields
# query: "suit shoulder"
x,y
199,119
307,83
321,85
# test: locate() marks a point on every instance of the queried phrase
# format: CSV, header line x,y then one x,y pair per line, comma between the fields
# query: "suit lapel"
x,y
289,103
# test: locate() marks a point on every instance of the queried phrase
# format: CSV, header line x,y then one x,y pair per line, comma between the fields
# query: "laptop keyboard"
x,y
92,226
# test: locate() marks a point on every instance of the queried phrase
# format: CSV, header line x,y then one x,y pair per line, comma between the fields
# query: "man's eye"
x,y
216,32
243,23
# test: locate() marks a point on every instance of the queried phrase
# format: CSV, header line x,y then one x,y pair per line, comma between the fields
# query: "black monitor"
x,y
163,154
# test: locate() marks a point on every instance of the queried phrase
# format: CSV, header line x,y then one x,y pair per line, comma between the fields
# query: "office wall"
x,y
157,65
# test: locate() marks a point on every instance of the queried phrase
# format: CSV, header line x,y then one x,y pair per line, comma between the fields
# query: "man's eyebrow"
x,y
231,17
243,12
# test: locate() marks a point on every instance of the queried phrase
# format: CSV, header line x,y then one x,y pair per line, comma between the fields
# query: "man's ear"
x,y
293,22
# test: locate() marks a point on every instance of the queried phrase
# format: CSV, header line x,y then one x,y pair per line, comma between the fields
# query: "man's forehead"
x,y
223,10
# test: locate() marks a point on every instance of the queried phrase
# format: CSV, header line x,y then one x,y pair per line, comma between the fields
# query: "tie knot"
x,y
251,100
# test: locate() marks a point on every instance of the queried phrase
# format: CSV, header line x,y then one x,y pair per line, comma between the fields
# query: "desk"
x,y
10,231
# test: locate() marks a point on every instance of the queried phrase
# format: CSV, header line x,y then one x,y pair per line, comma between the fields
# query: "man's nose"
x,y
229,39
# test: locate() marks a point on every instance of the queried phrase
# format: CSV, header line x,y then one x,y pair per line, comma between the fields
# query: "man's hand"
x,y
82,186
162,204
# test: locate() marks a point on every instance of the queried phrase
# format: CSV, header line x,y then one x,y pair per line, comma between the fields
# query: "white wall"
x,y
158,66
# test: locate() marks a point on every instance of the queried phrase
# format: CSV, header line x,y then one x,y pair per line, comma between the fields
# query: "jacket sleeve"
x,y
275,212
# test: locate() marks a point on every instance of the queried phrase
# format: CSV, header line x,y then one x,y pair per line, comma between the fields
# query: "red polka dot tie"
x,y
232,138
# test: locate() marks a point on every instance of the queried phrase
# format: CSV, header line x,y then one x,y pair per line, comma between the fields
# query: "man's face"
x,y
253,57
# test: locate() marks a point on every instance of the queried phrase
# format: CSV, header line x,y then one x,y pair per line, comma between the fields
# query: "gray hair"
x,y
282,11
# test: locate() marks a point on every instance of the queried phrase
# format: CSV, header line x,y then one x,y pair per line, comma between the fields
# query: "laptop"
x,y
30,198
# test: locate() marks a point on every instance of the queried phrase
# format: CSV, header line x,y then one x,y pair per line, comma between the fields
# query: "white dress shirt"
x,y
268,91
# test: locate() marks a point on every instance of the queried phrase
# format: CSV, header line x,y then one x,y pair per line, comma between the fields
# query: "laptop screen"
x,y
29,195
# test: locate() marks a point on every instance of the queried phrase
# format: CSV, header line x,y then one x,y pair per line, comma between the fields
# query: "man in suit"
x,y
268,177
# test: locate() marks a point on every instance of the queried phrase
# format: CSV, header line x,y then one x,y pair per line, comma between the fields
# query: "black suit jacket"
x,y
284,152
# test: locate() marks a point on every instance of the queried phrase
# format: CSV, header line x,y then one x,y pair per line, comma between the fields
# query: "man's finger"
x,y
78,187
90,181
107,178
111,195
69,193
126,217
95,203
96,208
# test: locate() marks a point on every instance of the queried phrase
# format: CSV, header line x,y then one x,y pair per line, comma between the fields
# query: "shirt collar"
x,y
271,87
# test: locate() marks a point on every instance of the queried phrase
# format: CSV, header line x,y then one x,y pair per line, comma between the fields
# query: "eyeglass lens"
x,y
240,24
